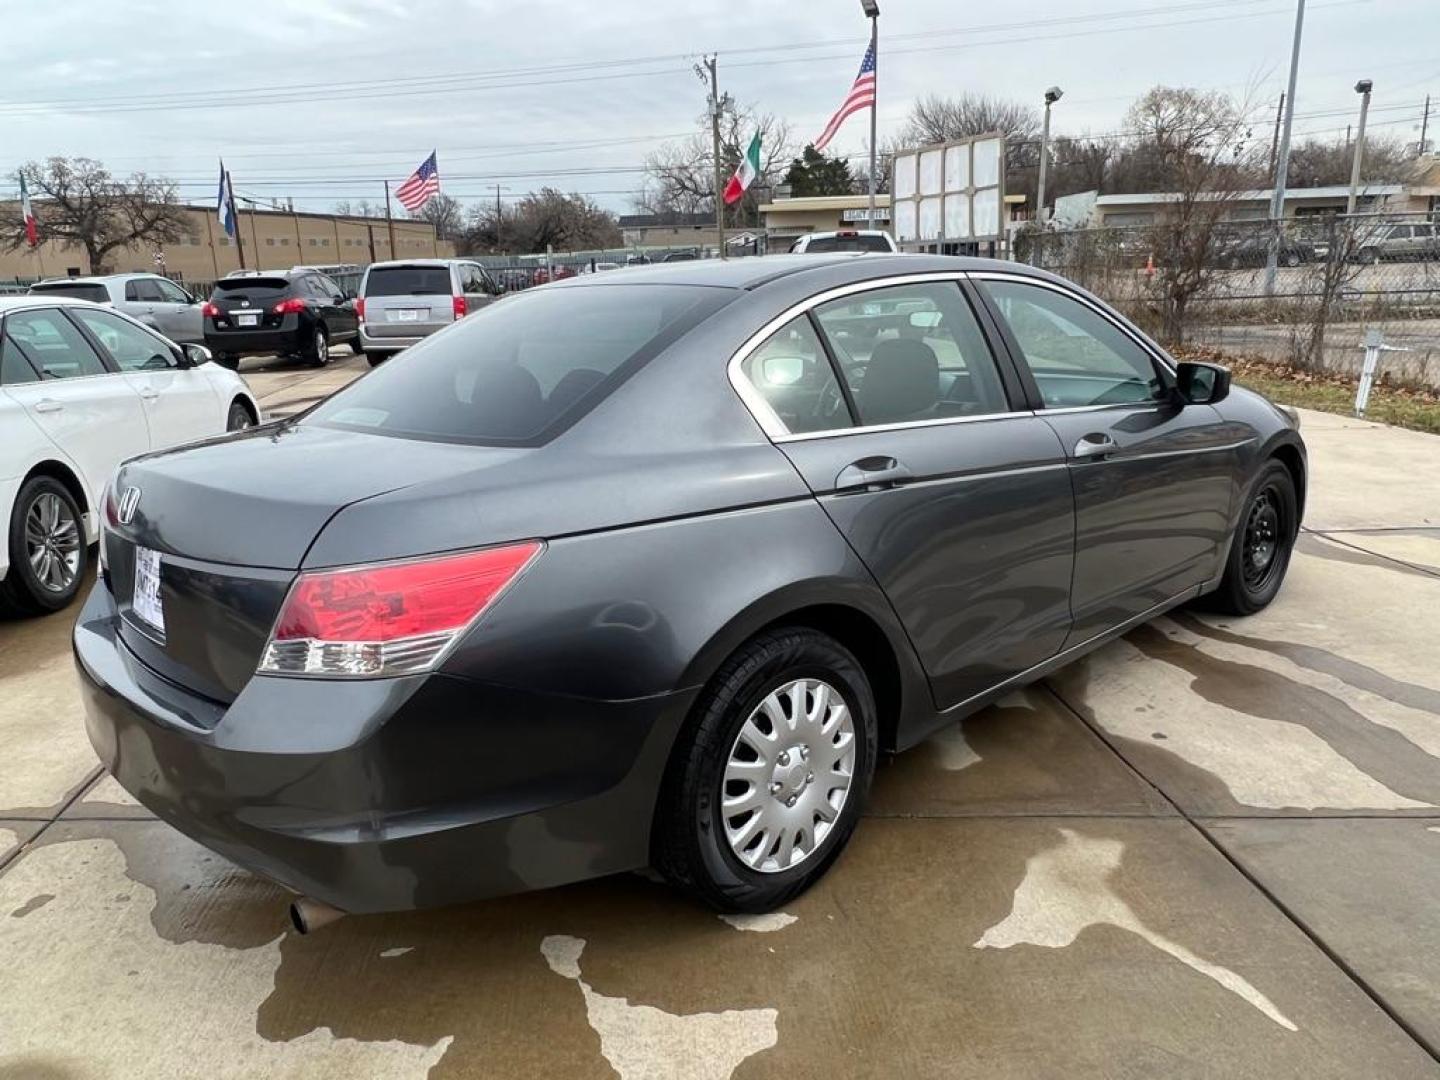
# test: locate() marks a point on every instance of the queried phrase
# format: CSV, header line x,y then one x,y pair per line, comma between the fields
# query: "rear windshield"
x,y
521,369
408,281
250,288
848,243
96,293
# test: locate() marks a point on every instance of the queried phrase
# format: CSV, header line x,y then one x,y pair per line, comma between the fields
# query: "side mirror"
x,y
194,355
1199,383
782,370
925,320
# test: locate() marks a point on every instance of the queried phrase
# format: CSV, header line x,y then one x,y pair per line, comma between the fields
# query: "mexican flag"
x,y
32,230
745,174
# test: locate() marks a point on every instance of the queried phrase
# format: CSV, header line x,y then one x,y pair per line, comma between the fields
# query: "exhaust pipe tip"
x,y
307,915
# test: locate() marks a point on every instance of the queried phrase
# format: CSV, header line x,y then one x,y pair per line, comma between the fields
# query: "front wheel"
x,y
770,782
48,553
239,417
1261,548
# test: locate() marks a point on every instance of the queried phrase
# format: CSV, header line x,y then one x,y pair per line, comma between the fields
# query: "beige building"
x,y
786,219
272,240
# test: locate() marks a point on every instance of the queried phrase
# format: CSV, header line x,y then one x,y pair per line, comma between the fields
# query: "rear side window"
x,y
408,281
255,289
53,345
143,290
826,244
14,368
518,371
94,293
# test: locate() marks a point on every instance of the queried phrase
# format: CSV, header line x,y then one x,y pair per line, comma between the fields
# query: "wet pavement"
x,y
1210,849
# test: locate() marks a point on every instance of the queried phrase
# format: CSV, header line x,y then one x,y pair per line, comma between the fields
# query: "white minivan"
x,y
405,301
82,388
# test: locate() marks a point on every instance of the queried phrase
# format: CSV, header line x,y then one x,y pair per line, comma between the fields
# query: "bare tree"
x,y
1205,156
445,213
546,217
80,204
680,176
1315,162
360,208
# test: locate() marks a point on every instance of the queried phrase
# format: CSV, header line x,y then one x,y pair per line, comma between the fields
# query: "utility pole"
x,y
1275,140
1424,125
1282,160
390,221
717,105
1363,89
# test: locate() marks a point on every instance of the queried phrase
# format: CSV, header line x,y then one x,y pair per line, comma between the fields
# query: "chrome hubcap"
x,y
52,543
788,775
322,347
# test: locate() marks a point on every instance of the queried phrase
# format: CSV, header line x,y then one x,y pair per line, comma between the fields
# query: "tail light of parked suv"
x,y
459,307
388,618
360,308
292,306
209,310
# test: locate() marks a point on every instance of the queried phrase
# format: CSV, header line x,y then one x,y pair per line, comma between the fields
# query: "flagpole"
x,y
235,214
389,221
873,10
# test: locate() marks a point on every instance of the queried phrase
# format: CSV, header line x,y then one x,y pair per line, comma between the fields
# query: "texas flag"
x,y
32,227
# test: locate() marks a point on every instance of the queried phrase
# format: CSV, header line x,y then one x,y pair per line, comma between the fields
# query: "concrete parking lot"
x,y
1211,849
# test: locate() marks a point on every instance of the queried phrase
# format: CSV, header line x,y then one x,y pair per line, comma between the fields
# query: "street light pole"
x,y
1282,160
872,12
1051,96
1362,88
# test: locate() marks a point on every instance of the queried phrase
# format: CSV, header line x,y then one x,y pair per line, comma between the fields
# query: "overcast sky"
x,y
363,89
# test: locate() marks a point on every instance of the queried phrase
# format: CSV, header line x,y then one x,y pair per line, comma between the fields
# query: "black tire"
x,y
690,846
1292,258
356,348
228,360
22,590
239,418
1369,256
1246,587
317,352
377,358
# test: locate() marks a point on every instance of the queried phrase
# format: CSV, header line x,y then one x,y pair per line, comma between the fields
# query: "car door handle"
x,y
872,474
149,393
1097,444
49,405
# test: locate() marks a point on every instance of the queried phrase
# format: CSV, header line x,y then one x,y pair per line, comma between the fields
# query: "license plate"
x,y
146,601
248,320
405,314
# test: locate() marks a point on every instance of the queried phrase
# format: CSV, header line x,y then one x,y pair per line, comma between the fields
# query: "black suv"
x,y
296,313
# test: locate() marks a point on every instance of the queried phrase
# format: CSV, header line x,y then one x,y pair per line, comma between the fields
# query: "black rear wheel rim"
x,y
1263,540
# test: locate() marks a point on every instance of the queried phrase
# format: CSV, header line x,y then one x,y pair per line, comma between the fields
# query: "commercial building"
x,y
272,240
788,218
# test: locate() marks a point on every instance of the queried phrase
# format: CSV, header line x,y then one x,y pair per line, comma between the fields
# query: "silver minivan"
x,y
403,301
154,300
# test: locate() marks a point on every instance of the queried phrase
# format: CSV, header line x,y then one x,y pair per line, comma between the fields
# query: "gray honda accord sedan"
x,y
647,568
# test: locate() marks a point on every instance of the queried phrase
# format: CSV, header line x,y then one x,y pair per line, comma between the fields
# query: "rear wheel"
x,y
1261,548
228,360
319,353
771,780
239,417
1370,255
356,348
376,358
48,554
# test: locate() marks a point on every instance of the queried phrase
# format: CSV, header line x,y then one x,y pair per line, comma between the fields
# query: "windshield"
x,y
521,369
825,244
408,281
93,292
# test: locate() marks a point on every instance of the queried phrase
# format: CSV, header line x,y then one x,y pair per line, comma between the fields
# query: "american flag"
x,y
861,96
424,183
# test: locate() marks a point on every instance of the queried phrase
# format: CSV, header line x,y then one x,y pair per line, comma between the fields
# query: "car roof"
x,y
753,271
414,262
96,279
15,303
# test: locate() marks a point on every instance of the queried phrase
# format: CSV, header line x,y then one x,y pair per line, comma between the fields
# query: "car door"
x,y
180,403
143,301
340,317
182,319
1153,477
88,410
904,423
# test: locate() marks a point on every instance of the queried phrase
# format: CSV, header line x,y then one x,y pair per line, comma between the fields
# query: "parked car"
x,y
295,313
543,275
154,300
405,301
650,567
1407,242
81,389
827,243
680,256
1253,249
600,267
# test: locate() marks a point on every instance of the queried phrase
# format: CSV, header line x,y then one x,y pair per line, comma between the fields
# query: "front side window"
x,y
143,290
520,370
1076,355
53,344
171,293
792,373
132,348
912,352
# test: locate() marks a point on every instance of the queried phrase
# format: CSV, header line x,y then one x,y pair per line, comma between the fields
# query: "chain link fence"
x,y
1337,278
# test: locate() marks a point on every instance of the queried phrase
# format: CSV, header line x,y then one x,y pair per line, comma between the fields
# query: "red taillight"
x,y
390,619
293,306
209,310
360,309
459,307
112,507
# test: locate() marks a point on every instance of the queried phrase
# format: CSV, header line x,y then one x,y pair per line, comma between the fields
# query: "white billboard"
x,y
949,191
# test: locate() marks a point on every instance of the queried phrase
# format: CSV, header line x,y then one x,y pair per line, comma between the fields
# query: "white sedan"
x,y
82,388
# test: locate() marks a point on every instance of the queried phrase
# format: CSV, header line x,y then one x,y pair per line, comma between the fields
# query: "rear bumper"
x,y
380,342
379,795
290,337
